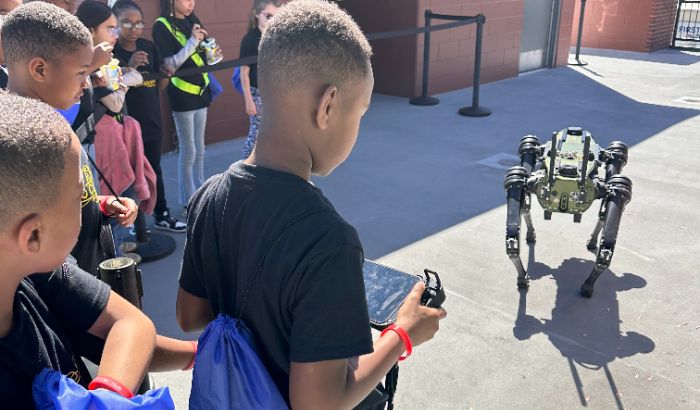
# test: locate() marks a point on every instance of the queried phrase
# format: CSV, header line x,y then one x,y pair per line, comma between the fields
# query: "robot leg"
x,y
531,237
516,186
619,194
593,241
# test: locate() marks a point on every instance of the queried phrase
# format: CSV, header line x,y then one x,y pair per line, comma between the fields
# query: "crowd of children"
x,y
264,245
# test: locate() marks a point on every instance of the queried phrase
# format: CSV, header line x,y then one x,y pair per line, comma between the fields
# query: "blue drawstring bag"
x,y
215,87
52,390
236,80
228,373
71,113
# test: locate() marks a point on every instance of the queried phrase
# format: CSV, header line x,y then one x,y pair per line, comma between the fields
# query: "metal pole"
x,y
424,99
577,60
475,110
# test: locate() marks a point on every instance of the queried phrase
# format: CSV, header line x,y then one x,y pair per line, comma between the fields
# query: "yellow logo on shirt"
x,y
89,191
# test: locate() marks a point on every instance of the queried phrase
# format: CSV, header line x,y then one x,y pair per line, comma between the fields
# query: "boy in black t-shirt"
x,y
40,194
49,53
265,245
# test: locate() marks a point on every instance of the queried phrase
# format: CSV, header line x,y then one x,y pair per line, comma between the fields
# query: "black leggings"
x,y
152,150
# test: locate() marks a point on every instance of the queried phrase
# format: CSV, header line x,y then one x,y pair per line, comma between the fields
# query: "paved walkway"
x,y
418,191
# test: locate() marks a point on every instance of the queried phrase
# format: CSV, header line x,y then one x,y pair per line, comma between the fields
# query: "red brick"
x,y
448,50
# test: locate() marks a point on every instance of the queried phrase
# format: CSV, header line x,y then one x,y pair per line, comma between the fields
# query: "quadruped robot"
x,y
564,176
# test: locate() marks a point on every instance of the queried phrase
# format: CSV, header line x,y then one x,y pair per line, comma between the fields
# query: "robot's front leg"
x,y
531,237
516,186
619,194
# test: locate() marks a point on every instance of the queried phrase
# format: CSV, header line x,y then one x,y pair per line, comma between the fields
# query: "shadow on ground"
x,y
585,331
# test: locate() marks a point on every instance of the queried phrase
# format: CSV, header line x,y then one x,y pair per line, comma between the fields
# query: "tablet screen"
x,y
386,289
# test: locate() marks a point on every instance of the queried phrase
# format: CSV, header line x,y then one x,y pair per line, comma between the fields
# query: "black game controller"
x,y
433,296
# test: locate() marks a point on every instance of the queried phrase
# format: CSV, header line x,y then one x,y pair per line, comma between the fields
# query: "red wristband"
x,y
404,338
103,206
104,382
194,355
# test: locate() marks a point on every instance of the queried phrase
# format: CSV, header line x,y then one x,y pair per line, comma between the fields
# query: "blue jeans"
x,y
190,126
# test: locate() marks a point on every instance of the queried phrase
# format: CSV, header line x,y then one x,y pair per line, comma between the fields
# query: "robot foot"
x,y
587,289
592,246
524,282
531,237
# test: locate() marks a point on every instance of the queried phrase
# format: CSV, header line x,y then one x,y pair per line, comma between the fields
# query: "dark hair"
x,y
34,140
167,10
258,7
122,5
39,29
312,39
92,13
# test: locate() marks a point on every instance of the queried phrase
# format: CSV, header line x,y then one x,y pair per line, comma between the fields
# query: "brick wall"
x,y
398,63
453,51
635,25
662,18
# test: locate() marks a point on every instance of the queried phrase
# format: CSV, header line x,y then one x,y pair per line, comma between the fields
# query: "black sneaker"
x,y
167,222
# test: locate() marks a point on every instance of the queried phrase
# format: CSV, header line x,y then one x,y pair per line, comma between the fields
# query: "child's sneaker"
x,y
167,222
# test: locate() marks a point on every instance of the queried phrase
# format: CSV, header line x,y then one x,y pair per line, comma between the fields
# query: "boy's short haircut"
x,y
312,39
34,139
40,29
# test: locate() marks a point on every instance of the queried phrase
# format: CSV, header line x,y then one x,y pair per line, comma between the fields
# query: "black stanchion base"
x,y
424,101
474,112
576,62
158,247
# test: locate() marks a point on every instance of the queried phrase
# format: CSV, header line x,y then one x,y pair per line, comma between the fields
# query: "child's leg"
x,y
254,124
200,126
151,149
184,124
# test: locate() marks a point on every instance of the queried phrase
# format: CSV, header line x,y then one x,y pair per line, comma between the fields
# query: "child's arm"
x,y
130,339
250,108
173,62
172,354
193,313
340,384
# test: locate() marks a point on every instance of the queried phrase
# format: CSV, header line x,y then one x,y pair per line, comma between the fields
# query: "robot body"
x,y
564,176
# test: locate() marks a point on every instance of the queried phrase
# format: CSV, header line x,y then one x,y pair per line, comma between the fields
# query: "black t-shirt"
x,y
48,309
142,101
307,302
167,45
249,48
89,250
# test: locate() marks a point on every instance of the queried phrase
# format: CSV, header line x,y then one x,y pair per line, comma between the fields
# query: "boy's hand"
x,y
102,55
98,80
138,59
250,107
419,321
125,212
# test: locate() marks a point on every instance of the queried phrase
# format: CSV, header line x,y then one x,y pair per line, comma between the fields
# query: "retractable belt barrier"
x,y
472,111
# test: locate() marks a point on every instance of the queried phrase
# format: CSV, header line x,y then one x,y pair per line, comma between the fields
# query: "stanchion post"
x,y
577,60
424,99
475,110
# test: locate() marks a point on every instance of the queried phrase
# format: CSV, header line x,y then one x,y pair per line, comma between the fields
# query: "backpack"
x,y
52,390
228,373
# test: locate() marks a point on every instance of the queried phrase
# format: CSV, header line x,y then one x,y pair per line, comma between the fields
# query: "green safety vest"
x,y
178,82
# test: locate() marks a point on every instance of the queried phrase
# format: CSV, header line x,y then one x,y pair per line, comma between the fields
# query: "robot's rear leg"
x,y
515,185
592,244
531,237
619,194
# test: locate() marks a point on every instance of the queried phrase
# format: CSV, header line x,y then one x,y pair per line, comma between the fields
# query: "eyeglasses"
x,y
268,16
127,25
114,31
